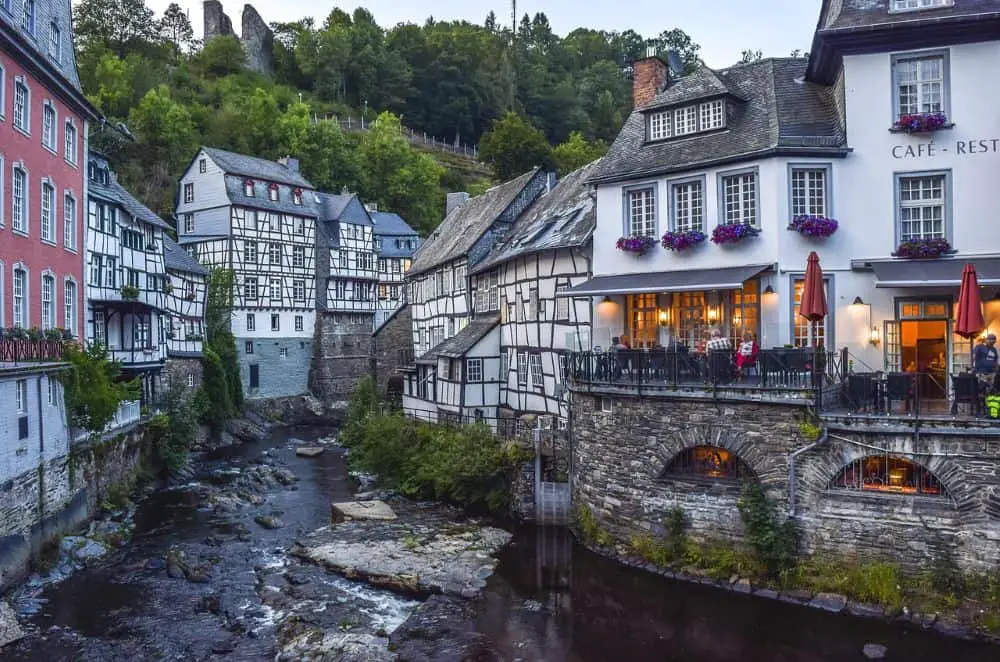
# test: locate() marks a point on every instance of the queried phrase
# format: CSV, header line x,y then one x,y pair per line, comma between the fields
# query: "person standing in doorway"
x,y
984,361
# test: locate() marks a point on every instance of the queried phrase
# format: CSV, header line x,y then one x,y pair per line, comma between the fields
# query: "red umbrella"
x,y
813,303
969,321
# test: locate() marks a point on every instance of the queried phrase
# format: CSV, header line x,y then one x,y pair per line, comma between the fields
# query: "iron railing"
x,y
913,395
17,350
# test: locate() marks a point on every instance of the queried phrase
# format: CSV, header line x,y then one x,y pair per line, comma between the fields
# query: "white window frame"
x,y
50,122
274,253
640,199
299,290
712,115
687,204
283,353
189,192
100,328
188,223
248,347
685,120
47,230
20,297
202,165
29,16
3,92
48,304
922,86
944,203
660,125
70,141
741,211
250,252
274,285
806,197
21,396
21,109
275,322
251,322
522,368
250,288
272,192
19,203
69,305
474,370
298,257
917,5
248,189
299,323
69,221
51,389
535,368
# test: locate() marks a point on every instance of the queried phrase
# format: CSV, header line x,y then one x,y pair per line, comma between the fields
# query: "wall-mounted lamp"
x,y
606,299
713,314
768,290
875,337
857,302
664,316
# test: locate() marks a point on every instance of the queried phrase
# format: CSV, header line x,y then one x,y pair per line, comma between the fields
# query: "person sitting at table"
x,y
746,355
620,343
667,340
718,342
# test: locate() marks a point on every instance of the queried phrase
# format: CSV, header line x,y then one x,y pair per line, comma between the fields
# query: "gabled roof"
x,y
702,83
460,229
176,258
262,200
118,194
251,166
782,114
391,223
343,207
561,218
870,26
462,342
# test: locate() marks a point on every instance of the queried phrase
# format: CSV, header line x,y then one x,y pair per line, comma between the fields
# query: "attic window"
x,y
687,120
248,187
916,5
297,196
272,192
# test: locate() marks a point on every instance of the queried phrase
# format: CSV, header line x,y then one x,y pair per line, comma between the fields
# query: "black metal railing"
x,y
16,350
782,369
914,395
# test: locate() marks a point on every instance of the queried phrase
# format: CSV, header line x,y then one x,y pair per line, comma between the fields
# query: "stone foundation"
x,y
620,464
342,357
392,347
184,371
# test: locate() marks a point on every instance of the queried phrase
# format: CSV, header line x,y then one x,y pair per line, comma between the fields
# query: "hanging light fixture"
x,y
857,302
768,290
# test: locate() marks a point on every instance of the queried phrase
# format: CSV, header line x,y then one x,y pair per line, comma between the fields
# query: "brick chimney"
x,y
649,77
289,162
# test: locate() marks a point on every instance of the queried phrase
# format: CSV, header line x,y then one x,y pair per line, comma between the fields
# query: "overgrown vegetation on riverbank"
x,y
462,464
769,557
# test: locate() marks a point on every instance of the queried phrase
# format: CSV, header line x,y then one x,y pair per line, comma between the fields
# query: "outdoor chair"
x,y
966,390
900,386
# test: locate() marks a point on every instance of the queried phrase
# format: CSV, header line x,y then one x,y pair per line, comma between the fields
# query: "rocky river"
x,y
242,563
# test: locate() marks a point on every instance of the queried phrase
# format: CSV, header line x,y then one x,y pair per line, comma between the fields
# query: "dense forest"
x,y
529,97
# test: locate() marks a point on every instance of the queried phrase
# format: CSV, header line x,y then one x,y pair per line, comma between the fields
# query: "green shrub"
x,y
774,542
588,526
879,583
363,402
215,384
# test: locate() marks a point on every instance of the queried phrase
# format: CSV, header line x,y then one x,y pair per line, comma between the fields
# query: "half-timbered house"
x,y
258,218
546,252
439,288
185,303
395,243
126,278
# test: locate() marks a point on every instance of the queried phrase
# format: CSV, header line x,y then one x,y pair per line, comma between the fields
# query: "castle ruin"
x,y
256,37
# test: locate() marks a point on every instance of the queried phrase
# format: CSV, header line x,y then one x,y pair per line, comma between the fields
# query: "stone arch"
x,y
665,450
889,474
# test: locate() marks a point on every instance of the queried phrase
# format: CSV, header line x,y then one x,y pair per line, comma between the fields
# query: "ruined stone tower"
x,y
257,38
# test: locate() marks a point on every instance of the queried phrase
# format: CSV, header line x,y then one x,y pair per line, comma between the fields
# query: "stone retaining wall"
x,y
619,461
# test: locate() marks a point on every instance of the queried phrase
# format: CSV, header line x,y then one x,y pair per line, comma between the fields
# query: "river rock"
x,y
10,628
269,522
284,476
361,510
833,602
443,629
82,549
874,651
333,646
309,451
451,558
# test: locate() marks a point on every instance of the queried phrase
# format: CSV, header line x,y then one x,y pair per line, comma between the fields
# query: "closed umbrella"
x,y
813,303
969,320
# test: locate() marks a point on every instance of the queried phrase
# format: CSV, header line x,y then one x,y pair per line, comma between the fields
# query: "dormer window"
x,y
248,188
687,120
272,192
915,5
297,196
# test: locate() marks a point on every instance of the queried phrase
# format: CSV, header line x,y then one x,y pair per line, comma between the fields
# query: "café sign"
x,y
957,148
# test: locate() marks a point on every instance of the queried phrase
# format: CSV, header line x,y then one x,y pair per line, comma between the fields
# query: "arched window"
x,y
887,473
708,462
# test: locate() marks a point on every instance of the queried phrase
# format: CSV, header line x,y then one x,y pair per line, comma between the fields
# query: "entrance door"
x,y
923,344
254,376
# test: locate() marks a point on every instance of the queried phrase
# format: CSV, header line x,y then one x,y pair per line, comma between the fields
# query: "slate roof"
x,y
781,114
389,227
344,207
35,43
119,195
176,258
462,342
866,14
260,199
702,83
460,229
257,168
561,218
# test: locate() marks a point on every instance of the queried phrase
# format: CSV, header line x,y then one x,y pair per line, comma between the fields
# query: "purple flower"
x,y
728,234
814,226
679,241
637,245
917,249
920,122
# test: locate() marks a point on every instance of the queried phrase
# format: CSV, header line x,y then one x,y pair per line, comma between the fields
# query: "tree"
x,y
221,56
175,27
114,91
92,388
166,130
576,152
514,146
748,56
117,24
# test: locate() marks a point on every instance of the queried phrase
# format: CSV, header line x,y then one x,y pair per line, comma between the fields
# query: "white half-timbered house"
x,y
547,251
126,277
349,230
395,243
258,218
439,285
186,296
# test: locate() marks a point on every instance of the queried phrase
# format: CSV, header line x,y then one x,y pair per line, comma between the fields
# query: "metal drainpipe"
x,y
791,468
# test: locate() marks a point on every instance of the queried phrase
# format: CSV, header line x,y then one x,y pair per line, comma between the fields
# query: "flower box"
x,y
731,234
130,292
921,123
923,249
680,241
813,226
637,245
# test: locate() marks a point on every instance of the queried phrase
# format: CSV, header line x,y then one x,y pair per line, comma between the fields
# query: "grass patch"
x,y
589,527
48,554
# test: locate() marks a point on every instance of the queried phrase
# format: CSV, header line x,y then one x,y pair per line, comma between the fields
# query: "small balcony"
x,y
802,375
128,413
17,347
138,356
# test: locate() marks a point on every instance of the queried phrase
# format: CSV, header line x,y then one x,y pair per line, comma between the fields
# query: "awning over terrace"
x,y
728,278
934,273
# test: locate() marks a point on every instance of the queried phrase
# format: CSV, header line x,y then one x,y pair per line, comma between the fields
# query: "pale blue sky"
x,y
723,27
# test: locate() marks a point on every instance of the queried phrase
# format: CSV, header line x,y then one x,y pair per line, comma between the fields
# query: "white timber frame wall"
x,y
440,304
353,274
186,303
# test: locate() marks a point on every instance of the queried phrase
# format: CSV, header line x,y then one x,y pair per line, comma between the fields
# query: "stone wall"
x,y
619,460
343,355
178,371
282,363
392,346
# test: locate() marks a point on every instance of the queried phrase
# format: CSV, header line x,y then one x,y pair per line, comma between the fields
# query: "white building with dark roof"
x,y
258,218
395,244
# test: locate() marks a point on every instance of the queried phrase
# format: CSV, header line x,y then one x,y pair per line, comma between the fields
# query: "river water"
x,y
551,600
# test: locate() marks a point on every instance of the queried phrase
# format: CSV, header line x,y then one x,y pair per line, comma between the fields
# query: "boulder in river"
x,y
874,651
10,628
361,510
81,549
268,521
443,629
330,646
309,451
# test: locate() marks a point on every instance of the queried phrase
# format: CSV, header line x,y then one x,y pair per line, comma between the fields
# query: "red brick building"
x,y
43,156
